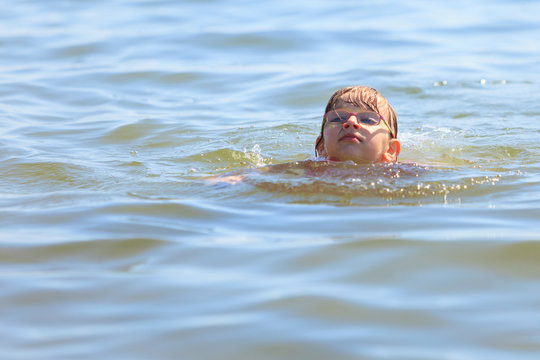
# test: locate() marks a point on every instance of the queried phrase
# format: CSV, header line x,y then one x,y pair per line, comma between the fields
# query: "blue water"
x,y
119,240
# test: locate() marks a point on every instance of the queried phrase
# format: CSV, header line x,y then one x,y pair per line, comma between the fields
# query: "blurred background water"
x,y
114,245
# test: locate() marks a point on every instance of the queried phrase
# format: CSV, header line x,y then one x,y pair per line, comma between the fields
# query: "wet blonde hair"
x,y
362,97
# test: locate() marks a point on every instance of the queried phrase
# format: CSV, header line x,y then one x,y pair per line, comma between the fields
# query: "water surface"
x,y
116,243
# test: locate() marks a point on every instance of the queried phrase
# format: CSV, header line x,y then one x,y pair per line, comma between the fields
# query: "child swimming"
x,y
358,125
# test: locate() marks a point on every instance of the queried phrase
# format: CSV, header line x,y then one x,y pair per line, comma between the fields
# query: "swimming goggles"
x,y
369,118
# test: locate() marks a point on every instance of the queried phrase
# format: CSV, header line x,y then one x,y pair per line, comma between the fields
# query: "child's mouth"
x,y
350,137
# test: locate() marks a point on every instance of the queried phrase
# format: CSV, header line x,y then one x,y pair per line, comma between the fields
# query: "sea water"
x,y
117,243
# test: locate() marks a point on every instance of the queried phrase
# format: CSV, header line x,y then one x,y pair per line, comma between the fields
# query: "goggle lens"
x,y
341,116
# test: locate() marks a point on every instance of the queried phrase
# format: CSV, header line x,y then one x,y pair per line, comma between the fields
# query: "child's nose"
x,y
351,121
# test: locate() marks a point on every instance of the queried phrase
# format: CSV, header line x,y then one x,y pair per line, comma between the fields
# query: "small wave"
x,y
227,158
47,174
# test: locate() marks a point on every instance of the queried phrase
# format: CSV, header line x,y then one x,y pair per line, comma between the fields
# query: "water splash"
x,y
254,156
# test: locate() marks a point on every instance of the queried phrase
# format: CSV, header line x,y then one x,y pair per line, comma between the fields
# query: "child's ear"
x,y
391,154
319,148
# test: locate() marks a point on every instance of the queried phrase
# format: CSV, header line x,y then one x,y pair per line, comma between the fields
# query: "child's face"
x,y
354,140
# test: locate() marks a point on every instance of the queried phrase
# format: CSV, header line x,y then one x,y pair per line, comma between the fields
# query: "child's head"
x,y
359,125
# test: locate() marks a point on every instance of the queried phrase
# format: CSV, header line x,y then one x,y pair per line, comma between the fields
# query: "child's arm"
x,y
229,179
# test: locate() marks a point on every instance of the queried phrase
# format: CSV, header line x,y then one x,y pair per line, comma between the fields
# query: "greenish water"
x,y
117,241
